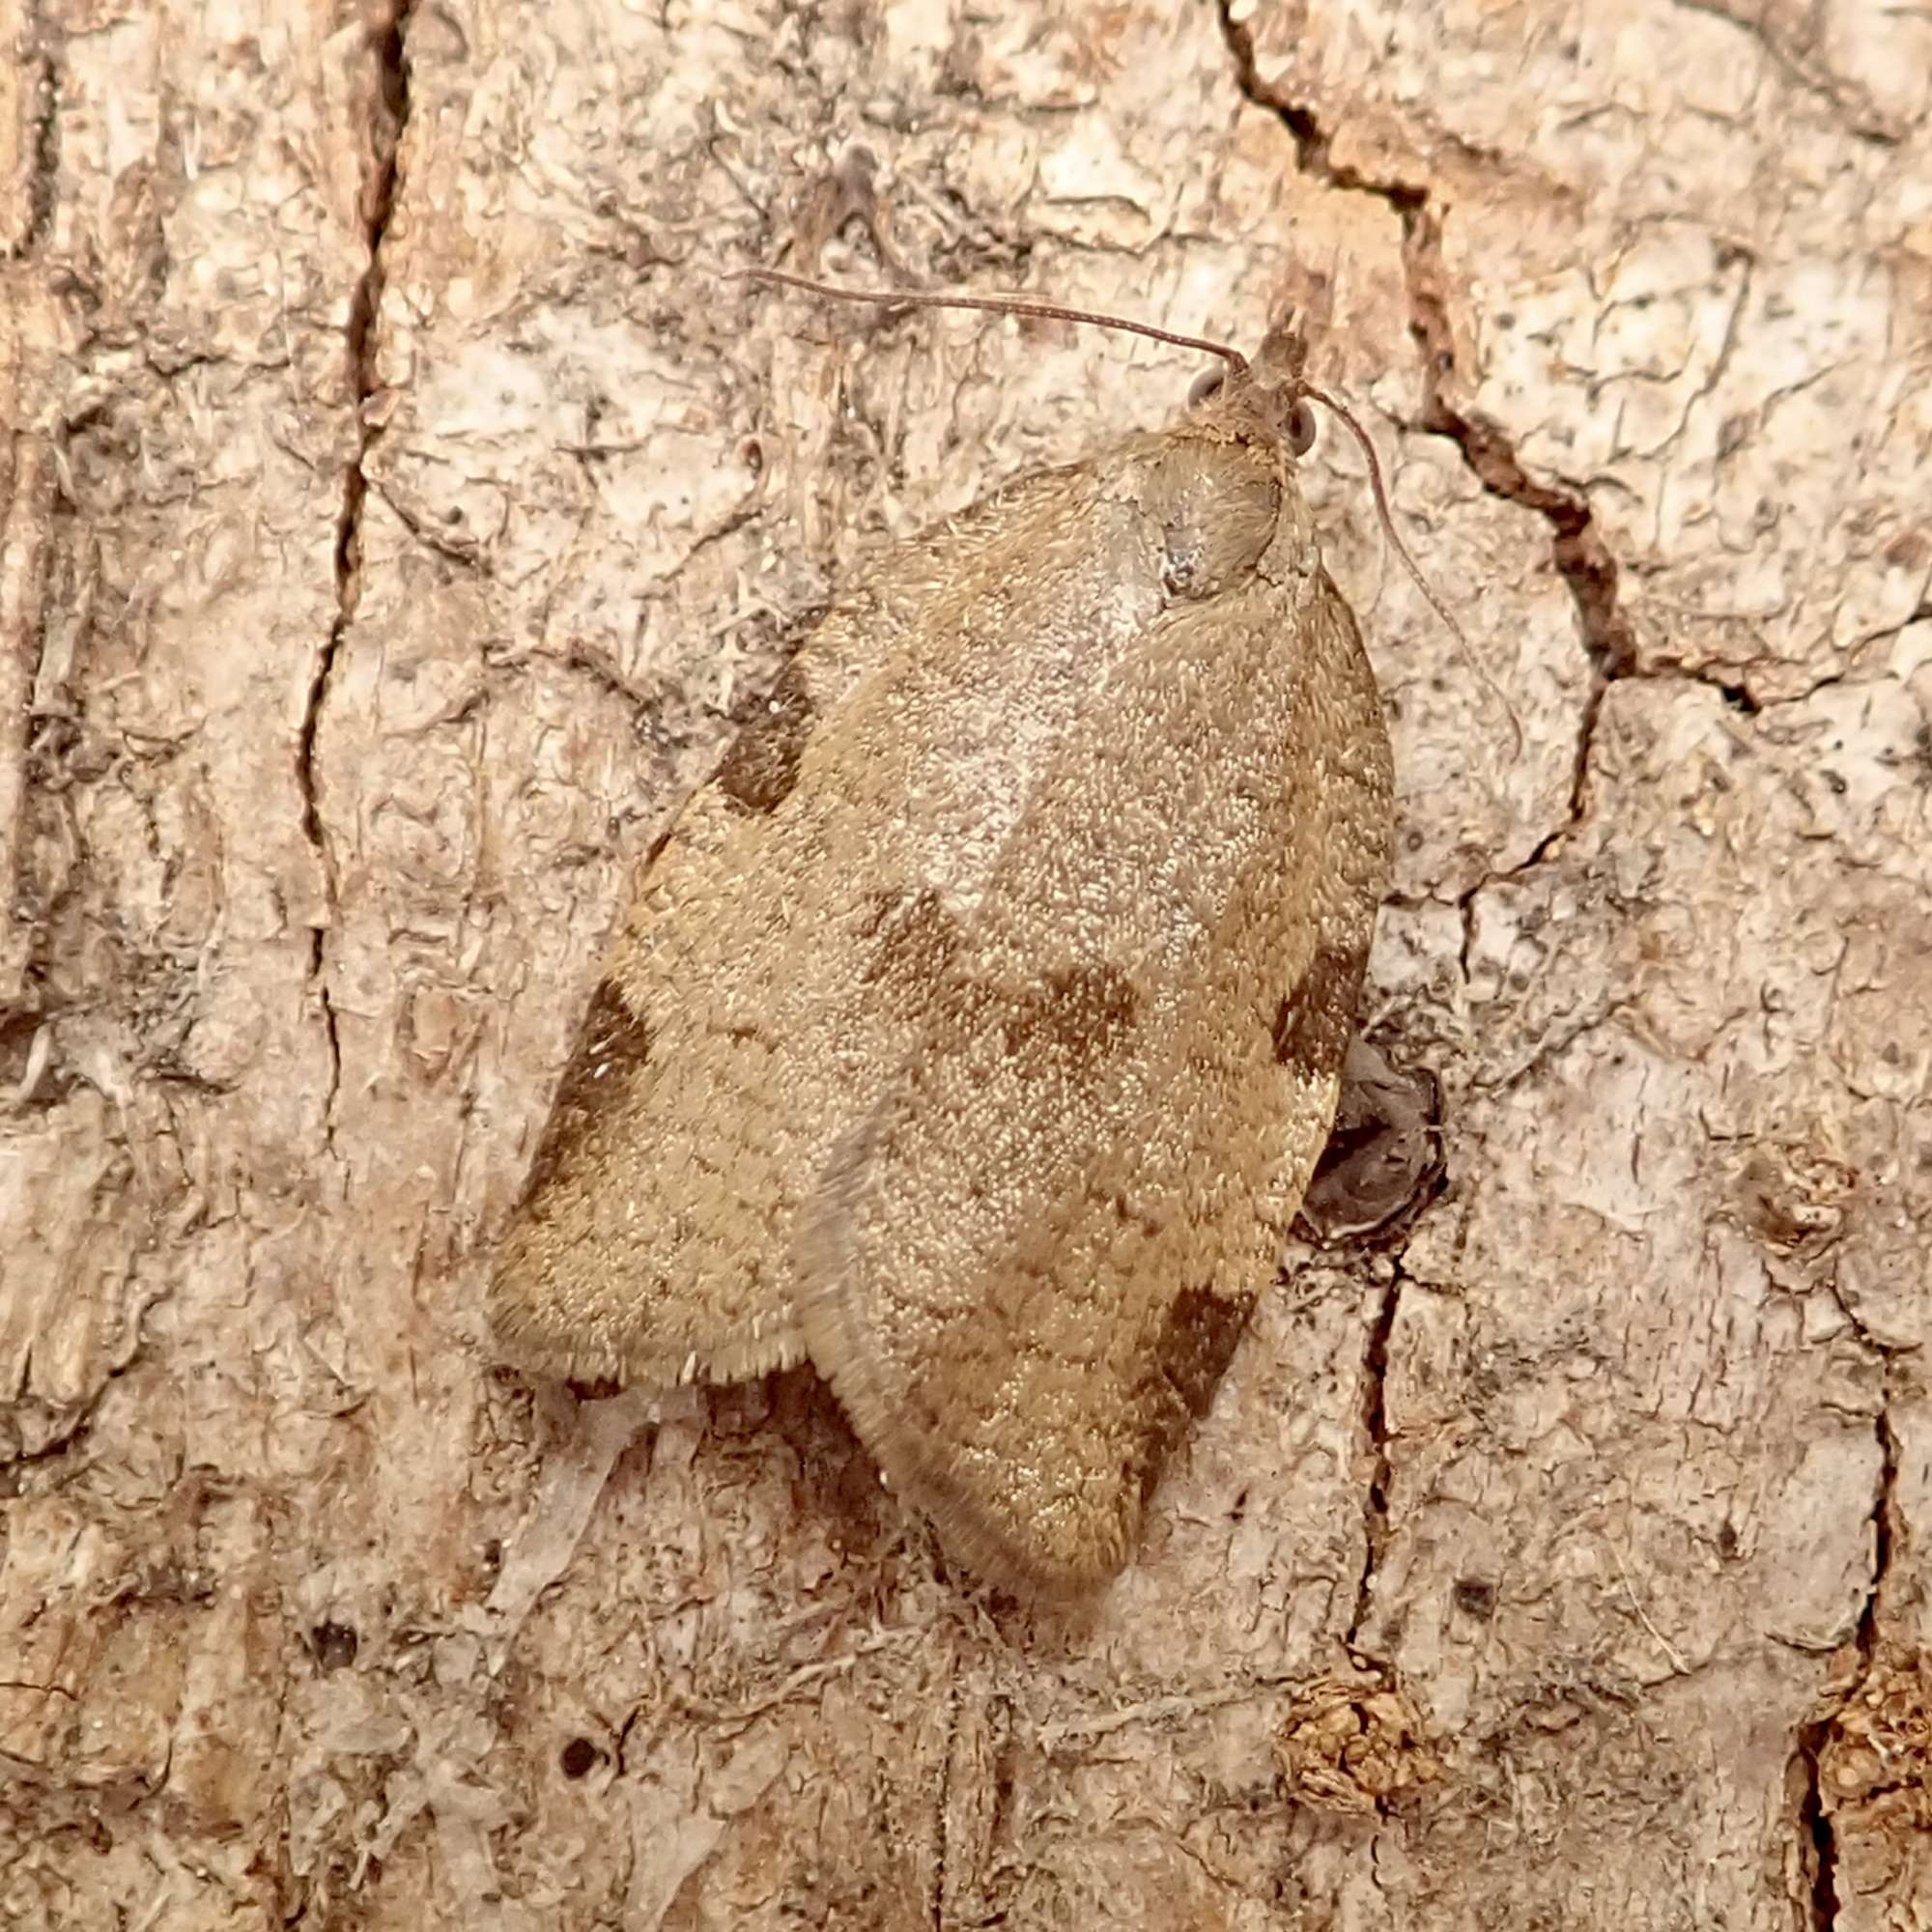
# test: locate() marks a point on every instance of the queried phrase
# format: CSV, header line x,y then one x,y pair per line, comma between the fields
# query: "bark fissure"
x,y
1882,1535
1579,552
1375,1429
1817,1833
1313,147
379,202
1580,557
1812,78
1817,1842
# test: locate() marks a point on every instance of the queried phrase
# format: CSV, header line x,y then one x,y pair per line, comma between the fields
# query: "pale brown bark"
x,y
382,550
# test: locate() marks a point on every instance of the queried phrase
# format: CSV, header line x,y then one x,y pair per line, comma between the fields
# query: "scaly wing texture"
x,y
781,944
1034,1254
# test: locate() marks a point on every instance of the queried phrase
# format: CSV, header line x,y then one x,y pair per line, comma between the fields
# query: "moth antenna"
x,y
1470,656
997,305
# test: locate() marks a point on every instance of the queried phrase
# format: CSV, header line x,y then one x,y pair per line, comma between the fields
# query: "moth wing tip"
x,y
839,1317
1040,1568
1063,1561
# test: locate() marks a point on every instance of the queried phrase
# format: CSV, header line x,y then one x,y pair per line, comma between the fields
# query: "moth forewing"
x,y
1030,1266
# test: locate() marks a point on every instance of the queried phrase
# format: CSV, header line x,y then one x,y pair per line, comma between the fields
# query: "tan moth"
x,y
975,1031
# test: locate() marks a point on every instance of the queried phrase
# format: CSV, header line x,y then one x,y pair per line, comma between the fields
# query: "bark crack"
x,y
1882,1540
1579,552
1818,1844
1313,147
377,202
1811,76
1580,557
1817,1831
1375,1427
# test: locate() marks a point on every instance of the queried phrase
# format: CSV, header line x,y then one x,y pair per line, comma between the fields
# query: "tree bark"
x,y
396,512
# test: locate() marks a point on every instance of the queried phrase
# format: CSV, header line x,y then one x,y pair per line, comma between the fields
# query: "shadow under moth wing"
x,y
980,1042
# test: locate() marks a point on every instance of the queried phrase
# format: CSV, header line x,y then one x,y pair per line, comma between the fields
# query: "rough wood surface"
x,y
393,511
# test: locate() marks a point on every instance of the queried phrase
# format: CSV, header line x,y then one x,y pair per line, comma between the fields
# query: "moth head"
x,y
1297,422
1274,389
1274,385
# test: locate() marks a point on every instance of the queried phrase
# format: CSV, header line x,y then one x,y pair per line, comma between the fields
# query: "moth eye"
x,y
1300,427
1207,384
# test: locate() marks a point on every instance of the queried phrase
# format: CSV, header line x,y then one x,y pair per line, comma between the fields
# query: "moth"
x,y
973,1032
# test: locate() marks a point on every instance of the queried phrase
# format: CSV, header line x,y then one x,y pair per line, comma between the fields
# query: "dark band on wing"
x,y
761,767
1197,1341
1075,1018
614,1040
1313,1023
